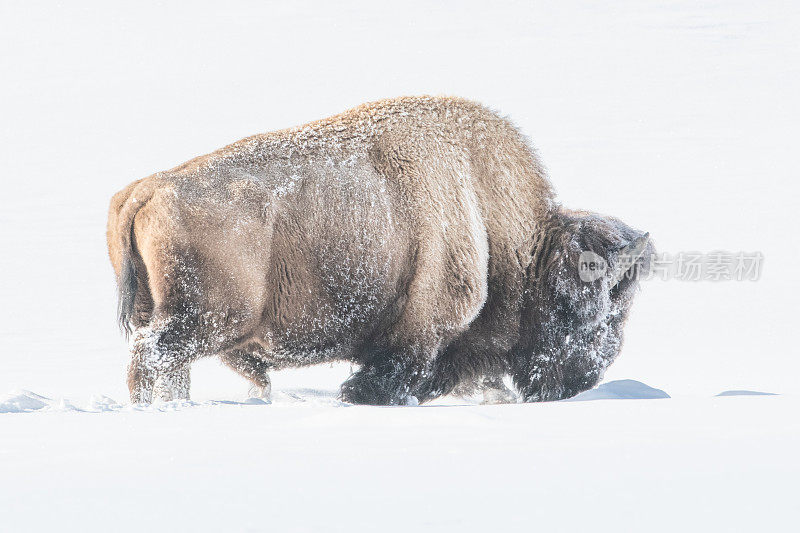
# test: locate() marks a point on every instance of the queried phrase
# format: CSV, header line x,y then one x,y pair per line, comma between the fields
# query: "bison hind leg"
x,y
248,364
162,352
173,386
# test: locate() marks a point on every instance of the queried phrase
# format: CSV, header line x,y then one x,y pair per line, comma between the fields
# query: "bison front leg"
x,y
496,392
387,378
556,376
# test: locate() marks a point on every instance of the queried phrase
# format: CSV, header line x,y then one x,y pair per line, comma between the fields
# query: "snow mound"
x,y
622,389
745,393
23,402
101,403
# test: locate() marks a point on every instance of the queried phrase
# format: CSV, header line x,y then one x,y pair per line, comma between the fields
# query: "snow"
x,y
745,393
23,401
679,118
621,389
710,463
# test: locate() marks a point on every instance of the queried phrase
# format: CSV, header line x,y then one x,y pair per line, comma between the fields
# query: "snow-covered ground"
x,y
698,464
680,117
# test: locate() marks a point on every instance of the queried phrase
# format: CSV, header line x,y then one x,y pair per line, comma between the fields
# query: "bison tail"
x,y
122,248
127,284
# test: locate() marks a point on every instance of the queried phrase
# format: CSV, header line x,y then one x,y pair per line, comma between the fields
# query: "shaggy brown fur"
x,y
412,236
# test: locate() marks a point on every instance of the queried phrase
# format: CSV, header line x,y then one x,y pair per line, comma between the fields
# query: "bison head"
x,y
583,277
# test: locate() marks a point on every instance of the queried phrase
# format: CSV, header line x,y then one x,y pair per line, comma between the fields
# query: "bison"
x,y
417,237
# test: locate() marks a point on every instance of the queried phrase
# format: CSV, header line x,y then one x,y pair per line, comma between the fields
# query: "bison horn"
x,y
628,257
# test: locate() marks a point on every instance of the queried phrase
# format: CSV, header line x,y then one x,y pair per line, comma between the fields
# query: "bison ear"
x,y
628,256
609,248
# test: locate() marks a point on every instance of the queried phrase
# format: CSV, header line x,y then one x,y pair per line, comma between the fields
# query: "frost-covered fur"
x,y
417,237
553,333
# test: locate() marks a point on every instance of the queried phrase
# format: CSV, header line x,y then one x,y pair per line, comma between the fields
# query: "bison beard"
x,y
579,332
417,237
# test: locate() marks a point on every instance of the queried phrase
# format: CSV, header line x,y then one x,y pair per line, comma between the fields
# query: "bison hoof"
x,y
410,401
375,396
162,392
498,396
141,397
263,393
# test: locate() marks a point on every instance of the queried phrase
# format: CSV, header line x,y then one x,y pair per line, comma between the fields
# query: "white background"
x,y
680,118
